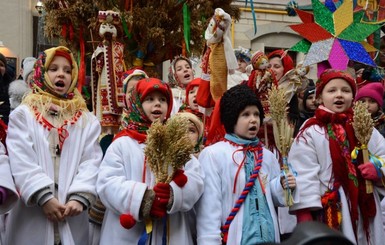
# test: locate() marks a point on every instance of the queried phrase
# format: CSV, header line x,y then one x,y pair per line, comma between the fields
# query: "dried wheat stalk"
x,y
282,129
363,128
179,147
155,142
168,147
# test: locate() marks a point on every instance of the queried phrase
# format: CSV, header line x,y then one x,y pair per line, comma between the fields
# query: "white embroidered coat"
x,y
218,198
310,156
121,188
33,169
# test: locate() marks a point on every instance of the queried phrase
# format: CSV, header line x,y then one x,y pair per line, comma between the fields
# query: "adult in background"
x,y
18,88
5,79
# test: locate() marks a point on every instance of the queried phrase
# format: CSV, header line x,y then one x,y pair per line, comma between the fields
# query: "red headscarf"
x,y
185,107
194,83
136,121
287,61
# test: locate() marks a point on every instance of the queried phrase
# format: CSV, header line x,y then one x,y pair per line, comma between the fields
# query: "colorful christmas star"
x,y
333,36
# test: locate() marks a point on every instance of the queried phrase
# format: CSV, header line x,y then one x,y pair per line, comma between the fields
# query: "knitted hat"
x,y
130,74
330,74
2,58
287,61
374,90
233,102
309,91
28,64
194,119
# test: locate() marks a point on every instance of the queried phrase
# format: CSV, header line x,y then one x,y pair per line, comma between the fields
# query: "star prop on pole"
x,y
333,36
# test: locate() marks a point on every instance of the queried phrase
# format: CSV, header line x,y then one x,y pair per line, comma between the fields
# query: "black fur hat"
x,y
235,100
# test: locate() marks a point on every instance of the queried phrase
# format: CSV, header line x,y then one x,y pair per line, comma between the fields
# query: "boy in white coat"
x,y
54,156
331,185
126,185
240,173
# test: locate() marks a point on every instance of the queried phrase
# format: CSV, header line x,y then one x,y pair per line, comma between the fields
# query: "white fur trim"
x,y
28,64
17,89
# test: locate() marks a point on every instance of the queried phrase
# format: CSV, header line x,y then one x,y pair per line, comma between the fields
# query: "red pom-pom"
x,y
180,178
127,221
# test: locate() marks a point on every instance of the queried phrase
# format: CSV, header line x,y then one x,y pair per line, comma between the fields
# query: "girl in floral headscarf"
x,y
54,156
126,185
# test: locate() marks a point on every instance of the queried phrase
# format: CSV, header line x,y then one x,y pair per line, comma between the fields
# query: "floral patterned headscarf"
x,y
43,93
41,81
135,123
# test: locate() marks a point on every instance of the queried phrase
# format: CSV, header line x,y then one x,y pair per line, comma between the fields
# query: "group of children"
x,y
227,193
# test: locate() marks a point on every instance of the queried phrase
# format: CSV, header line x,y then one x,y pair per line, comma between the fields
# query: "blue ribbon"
x,y
143,237
288,165
377,162
254,16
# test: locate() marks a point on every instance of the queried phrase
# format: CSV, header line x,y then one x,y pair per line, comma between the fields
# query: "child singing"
x,y
126,185
243,184
332,185
54,156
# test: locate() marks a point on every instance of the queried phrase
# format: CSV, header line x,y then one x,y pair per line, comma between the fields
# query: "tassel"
x,y
127,221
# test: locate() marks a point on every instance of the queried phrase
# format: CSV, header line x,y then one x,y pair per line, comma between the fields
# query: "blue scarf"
x,y
258,226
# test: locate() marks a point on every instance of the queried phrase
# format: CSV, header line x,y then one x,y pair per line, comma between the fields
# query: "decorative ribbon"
x,y
287,167
125,29
377,161
244,193
71,29
254,17
82,63
146,233
148,222
186,25
148,230
64,31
